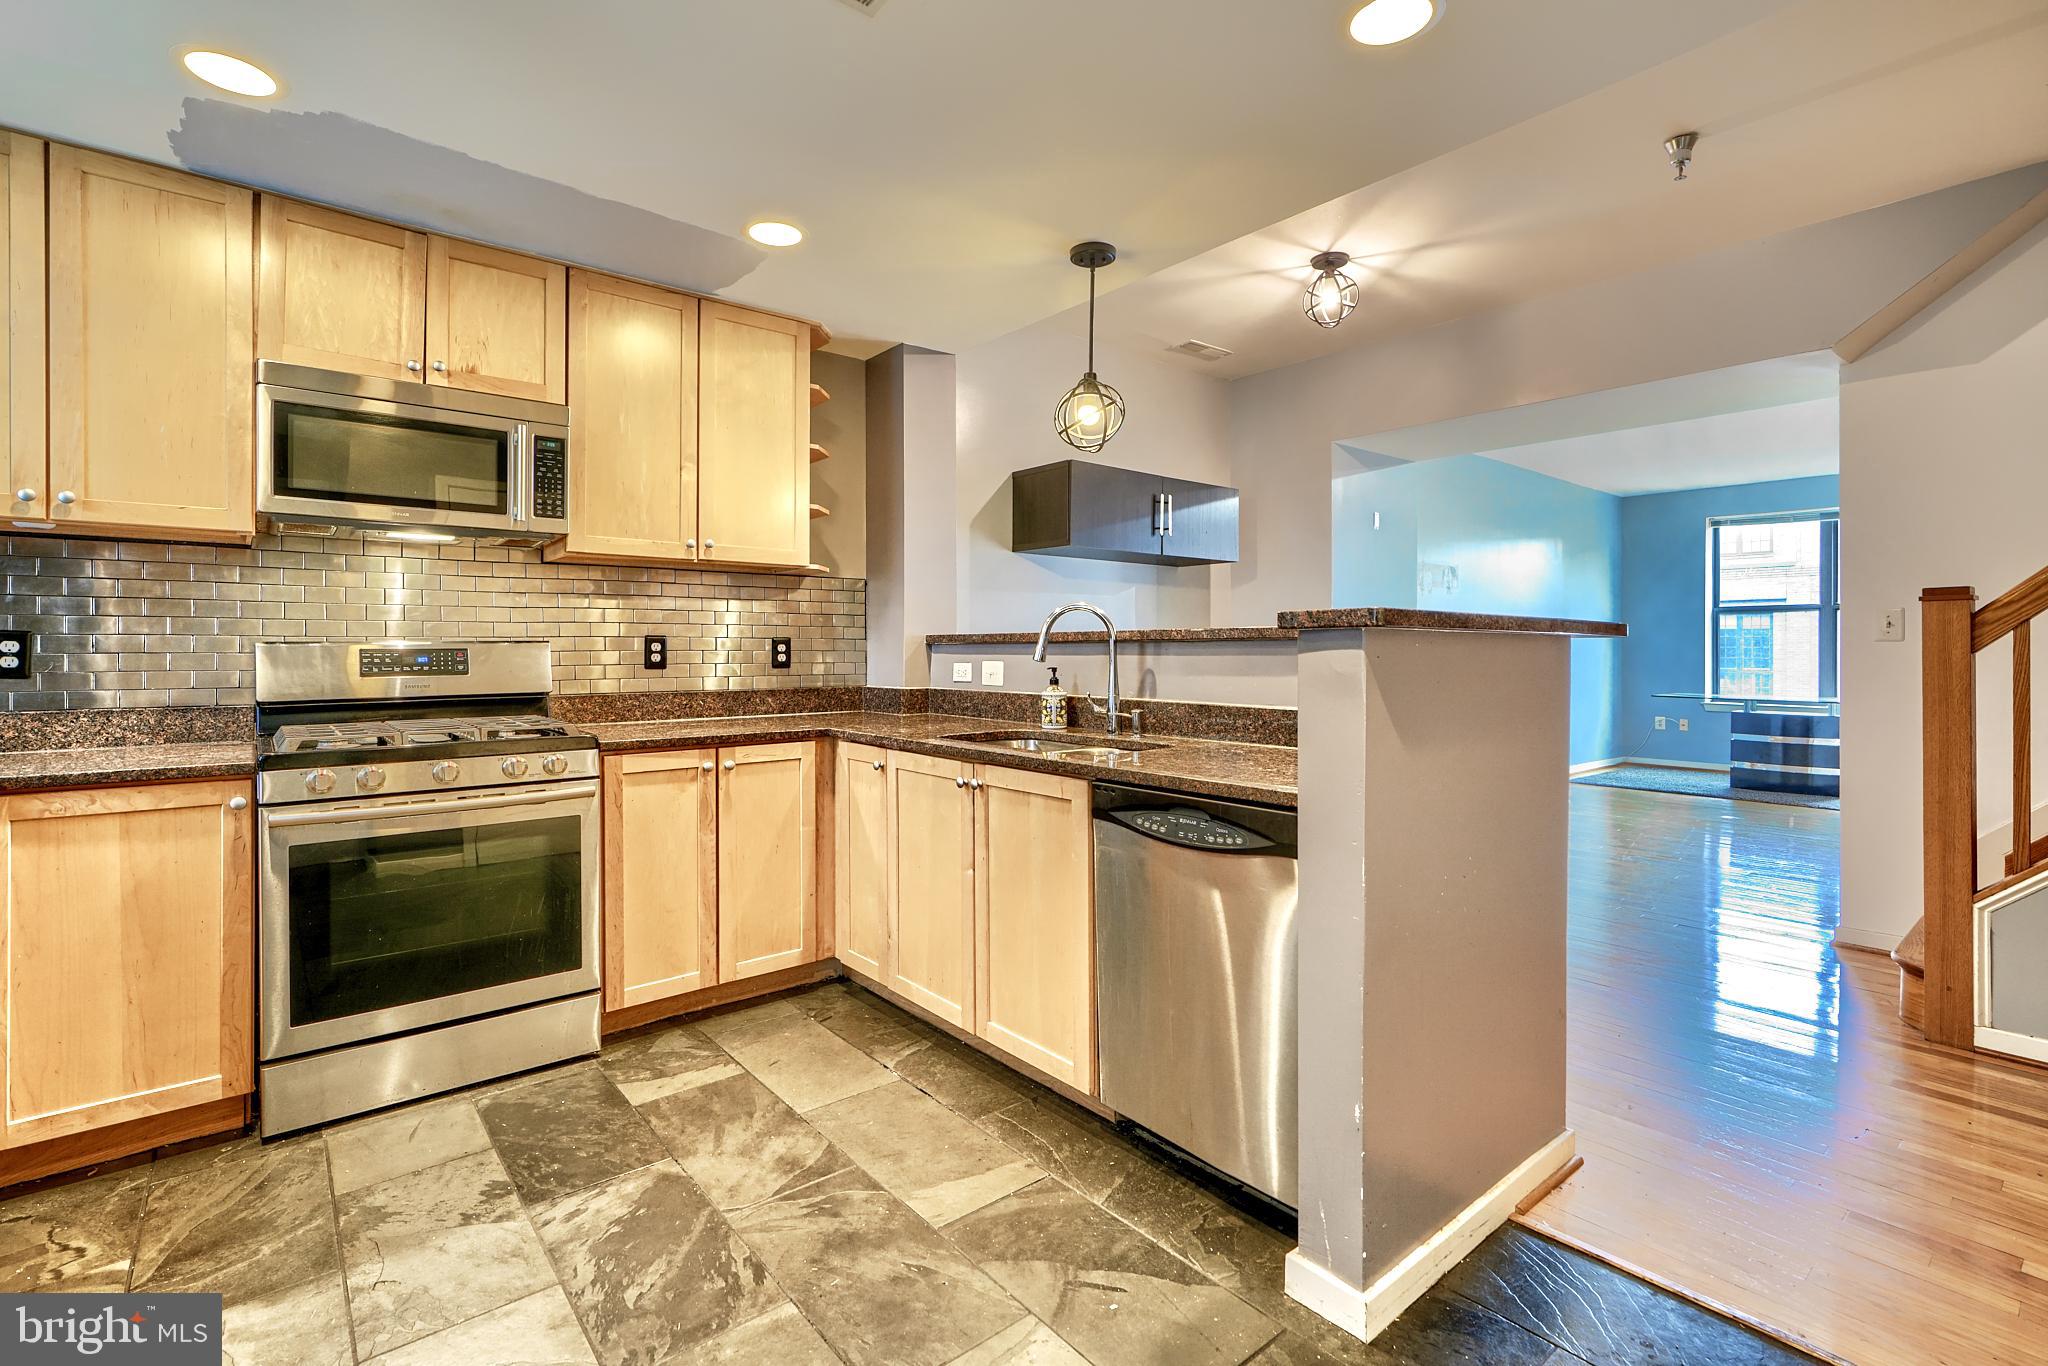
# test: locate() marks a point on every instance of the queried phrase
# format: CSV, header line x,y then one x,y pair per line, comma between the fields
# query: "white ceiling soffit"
x,y
1753,447
941,155
1825,108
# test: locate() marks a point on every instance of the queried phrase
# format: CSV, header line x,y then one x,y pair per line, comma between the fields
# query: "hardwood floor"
x,y
1760,1131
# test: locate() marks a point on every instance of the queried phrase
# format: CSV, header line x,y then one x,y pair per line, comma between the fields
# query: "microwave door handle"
x,y
395,810
516,476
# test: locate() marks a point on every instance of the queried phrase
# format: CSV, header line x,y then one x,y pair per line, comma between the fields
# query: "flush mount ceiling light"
x,y
1382,23
1679,149
1092,411
1332,294
231,74
770,233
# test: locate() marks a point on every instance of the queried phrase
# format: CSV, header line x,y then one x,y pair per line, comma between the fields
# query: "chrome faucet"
x,y
1045,634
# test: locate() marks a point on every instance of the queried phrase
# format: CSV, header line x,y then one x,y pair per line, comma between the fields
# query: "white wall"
x,y
1944,481
1008,388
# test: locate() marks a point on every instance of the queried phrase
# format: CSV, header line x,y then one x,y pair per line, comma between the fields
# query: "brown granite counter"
x,y
1203,768
39,770
1419,619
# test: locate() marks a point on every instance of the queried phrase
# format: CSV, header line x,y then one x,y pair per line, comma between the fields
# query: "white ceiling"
x,y
1824,108
1754,447
942,154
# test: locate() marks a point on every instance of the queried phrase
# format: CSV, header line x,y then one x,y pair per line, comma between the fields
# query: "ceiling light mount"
x,y
772,232
1382,23
1091,412
1679,149
1332,294
225,71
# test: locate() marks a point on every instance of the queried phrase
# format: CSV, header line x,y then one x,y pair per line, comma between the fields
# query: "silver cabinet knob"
x,y
238,803
369,779
554,765
690,544
413,366
959,782
974,783
66,496
320,782
24,495
707,765
878,765
446,771
728,765
440,367
710,544
513,767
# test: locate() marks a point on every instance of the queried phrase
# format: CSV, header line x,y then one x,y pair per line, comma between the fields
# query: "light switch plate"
x,y
963,672
1893,625
992,673
1662,721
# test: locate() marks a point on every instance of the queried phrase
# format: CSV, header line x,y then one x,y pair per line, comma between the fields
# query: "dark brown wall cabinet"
x,y
1099,512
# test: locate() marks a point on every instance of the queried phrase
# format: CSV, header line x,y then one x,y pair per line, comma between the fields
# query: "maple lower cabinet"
x,y
24,458
497,321
860,849
340,292
151,338
127,954
1034,921
660,875
753,437
767,858
931,876
633,390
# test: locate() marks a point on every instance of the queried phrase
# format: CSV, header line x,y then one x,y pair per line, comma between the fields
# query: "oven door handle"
x,y
454,805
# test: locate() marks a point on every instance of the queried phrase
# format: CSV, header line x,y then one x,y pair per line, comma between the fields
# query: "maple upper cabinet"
x,y
931,874
660,875
860,848
633,393
753,444
127,960
767,858
1034,921
340,292
23,457
497,322
151,366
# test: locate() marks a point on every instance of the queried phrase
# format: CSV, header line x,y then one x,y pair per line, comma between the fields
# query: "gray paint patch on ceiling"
x,y
346,162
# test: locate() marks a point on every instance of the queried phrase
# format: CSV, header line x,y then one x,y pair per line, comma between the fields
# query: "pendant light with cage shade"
x,y
1332,294
1092,411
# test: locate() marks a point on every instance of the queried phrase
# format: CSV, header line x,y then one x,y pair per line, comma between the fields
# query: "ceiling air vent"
x,y
1200,350
864,6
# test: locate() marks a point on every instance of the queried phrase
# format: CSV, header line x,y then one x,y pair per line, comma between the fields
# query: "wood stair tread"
x,y
1911,954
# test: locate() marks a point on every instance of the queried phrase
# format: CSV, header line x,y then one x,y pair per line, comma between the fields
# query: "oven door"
x,y
380,917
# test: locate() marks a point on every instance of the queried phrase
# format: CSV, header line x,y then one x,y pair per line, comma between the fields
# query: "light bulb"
x,y
1382,23
231,74
1332,294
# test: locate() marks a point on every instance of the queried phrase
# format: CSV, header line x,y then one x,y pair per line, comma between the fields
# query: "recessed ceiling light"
x,y
770,233
1380,23
230,73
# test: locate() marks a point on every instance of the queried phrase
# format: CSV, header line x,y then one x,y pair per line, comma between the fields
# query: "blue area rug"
x,y
1696,782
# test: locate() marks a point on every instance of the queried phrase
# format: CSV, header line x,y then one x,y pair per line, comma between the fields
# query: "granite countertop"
x,y
37,770
1420,619
1203,768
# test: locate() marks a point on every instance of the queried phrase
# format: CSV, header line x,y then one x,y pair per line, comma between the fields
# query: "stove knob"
x,y
446,771
554,765
320,782
369,779
513,767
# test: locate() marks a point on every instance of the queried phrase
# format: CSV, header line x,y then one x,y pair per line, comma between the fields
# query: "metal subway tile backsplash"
x,y
136,624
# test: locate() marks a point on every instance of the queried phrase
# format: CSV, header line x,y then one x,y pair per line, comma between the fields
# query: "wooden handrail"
x,y
2024,601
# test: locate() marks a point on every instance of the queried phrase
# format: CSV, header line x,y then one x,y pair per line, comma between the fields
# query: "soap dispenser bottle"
x,y
1052,705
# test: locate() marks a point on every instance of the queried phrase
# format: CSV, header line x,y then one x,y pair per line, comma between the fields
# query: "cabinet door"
x,y
767,852
754,437
23,455
497,322
931,874
152,327
861,851
340,292
1034,922
1200,524
633,390
660,876
127,954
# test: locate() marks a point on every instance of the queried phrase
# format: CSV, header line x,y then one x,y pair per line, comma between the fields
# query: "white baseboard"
x,y
2011,1044
1366,1313
1595,765
1692,764
1858,937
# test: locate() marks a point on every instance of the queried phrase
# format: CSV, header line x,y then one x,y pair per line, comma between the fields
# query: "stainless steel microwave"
x,y
410,460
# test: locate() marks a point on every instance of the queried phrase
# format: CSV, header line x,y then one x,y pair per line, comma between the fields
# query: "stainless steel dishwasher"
x,y
1195,977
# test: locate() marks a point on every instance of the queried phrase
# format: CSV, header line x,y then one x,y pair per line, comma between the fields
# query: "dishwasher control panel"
x,y
1193,829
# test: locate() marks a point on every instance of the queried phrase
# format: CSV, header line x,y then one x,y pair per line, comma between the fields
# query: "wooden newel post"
x,y
1948,731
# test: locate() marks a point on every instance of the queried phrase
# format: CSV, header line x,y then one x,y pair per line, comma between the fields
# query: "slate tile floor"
x,y
815,1179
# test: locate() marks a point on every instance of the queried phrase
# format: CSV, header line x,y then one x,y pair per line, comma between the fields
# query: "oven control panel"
x,y
550,478
415,663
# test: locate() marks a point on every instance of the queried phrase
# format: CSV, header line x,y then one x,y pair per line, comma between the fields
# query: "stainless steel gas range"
x,y
429,873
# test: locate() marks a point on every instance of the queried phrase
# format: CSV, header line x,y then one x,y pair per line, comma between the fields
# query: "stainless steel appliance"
x,y
429,864
1195,978
414,461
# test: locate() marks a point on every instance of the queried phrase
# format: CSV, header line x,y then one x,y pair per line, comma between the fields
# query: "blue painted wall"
x,y
1663,600
1519,542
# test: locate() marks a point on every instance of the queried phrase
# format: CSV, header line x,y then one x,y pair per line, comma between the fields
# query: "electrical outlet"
x,y
1685,723
963,671
654,652
17,655
779,656
992,673
1662,722
1893,624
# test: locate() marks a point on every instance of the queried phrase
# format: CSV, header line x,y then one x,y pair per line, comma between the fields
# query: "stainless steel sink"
x,y
1057,744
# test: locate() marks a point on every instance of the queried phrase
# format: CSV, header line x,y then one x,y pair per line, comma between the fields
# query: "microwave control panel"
x,y
412,663
550,478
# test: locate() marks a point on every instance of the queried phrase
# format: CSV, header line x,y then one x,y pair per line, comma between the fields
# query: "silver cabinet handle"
x,y
67,497
710,544
413,366
440,367
1169,512
974,783
24,495
959,782
707,765
690,544
238,803
728,765
878,765
1156,528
